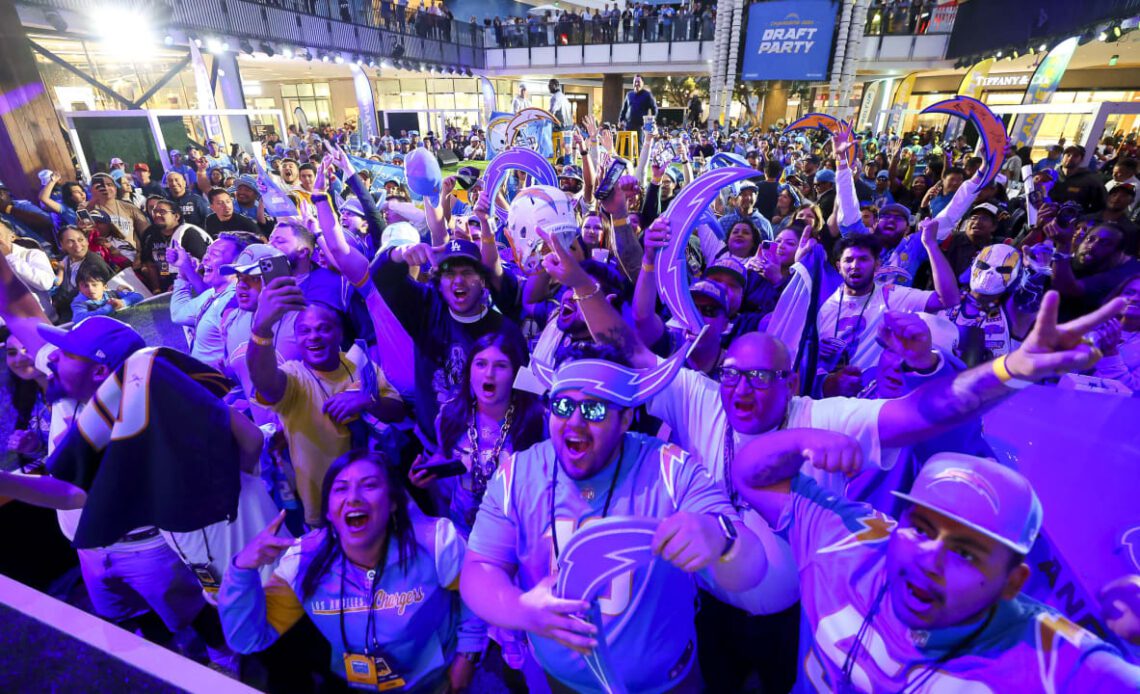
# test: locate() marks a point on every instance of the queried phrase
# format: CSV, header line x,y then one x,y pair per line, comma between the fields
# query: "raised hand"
x,y
563,267
1052,349
279,297
908,336
265,547
807,242
832,452
656,238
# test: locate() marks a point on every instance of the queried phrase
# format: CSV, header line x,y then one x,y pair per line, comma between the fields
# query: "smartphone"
x,y
274,267
325,214
443,468
665,154
84,216
606,186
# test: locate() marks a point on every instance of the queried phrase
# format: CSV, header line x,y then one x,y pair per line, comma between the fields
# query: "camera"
x,y
1068,214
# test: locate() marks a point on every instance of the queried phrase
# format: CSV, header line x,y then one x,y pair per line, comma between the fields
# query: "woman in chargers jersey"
x,y
378,584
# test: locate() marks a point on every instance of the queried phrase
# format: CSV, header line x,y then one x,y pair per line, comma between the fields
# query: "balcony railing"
x,y
894,18
586,32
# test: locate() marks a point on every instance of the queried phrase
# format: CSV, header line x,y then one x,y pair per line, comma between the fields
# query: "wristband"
x,y
619,222
647,267
597,288
259,340
1003,374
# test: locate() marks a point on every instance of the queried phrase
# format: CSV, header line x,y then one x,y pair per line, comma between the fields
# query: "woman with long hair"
x,y
787,201
742,241
378,583
27,388
488,420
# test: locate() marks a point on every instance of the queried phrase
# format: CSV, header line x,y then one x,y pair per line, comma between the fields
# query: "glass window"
x,y
305,89
444,101
289,90
388,87
413,86
443,85
322,88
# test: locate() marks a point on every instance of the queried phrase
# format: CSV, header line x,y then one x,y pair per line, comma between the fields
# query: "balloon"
x,y
525,160
989,126
424,177
684,212
822,121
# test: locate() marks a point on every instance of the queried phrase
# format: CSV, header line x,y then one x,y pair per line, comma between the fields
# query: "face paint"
x,y
995,270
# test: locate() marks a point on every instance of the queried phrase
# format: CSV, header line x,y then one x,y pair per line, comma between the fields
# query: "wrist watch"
x,y
729,529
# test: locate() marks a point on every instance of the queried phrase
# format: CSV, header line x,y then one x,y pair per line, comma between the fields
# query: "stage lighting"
x,y
325,57
246,47
338,59
267,49
286,52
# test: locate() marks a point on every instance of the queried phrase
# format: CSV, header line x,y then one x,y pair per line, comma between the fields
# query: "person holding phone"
x,y
317,396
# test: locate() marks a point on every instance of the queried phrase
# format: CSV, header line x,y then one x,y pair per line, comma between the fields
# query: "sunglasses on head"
x,y
760,379
592,410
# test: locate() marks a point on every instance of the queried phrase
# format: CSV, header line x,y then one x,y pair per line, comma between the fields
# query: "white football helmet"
x,y
534,207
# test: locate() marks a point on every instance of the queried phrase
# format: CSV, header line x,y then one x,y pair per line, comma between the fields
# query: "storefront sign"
x,y
990,81
789,40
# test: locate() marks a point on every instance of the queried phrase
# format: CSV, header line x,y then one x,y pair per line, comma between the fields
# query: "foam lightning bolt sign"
x,y
989,126
685,211
526,160
831,124
595,556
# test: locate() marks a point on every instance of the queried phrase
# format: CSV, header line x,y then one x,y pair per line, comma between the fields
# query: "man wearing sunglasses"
x,y
592,467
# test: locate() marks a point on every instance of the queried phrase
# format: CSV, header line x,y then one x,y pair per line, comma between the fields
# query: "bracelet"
x,y
593,293
262,341
619,221
1003,374
647,267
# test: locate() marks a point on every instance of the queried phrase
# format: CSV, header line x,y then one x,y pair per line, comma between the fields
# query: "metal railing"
x,y
895,18
576,30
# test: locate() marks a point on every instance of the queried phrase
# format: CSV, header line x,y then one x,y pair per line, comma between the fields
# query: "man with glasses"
x,y
593,467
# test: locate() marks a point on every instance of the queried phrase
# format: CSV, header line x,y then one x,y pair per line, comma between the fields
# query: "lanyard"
x,y
605,509
320,381
369,623
858,321
954,652
185,559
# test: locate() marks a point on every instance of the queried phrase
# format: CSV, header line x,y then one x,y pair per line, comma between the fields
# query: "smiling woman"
x,y
378,584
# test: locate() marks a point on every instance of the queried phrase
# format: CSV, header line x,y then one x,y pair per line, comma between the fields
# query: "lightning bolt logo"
x,y
875,528
993,134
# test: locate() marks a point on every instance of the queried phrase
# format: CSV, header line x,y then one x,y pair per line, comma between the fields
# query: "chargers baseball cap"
x,y
712,290
249,260
101,339
981,494
726,264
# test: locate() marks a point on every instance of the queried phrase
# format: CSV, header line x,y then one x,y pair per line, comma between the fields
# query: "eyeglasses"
x,y
760,379
709,310
592,410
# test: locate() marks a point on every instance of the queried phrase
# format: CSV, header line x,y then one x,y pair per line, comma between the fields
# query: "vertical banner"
x,y
901,99
366,125
971,86
1041,87
205,94
488,91
867,108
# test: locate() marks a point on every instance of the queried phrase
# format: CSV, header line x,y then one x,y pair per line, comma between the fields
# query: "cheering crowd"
x,y
387,412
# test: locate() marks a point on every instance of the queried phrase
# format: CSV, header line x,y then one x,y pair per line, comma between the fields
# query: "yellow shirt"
x,y
314,439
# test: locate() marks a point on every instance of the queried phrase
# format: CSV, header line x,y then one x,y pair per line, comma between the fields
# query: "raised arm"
x,y
278,298
20,310
45,195
946,292
1050,349
649,325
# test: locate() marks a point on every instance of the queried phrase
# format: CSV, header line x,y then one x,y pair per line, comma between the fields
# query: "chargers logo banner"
x,y
789,40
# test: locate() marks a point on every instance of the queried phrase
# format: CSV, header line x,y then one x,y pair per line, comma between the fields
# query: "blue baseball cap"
x,y
727,264
712,290
983,495
461,250
101,339
825,176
